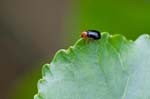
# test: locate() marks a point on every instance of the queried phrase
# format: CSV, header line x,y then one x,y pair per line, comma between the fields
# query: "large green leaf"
x,y
109,68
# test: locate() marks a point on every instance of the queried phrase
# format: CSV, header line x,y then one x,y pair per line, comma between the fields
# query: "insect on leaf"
x,y
110,68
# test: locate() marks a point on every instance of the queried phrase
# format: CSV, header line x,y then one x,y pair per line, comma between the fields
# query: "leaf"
x,y
109,68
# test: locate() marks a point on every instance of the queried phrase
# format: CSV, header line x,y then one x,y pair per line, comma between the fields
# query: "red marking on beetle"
x,y
84,34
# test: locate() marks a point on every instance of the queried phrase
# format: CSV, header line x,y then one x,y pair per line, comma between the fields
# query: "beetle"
x,y
93,34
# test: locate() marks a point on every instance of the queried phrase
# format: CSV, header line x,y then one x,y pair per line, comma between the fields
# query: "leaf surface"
x,y
110,68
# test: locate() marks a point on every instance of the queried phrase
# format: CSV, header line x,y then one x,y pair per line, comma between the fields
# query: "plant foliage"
x,y
110,68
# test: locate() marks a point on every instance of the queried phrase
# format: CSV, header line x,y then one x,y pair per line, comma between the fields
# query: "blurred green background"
x,y
31,31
